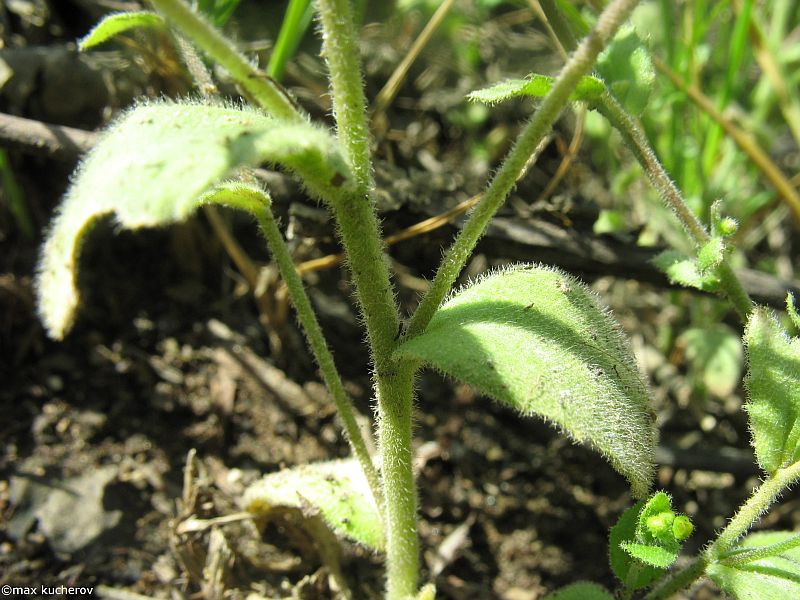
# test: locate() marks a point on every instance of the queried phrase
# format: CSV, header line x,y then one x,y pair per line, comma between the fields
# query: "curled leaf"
x,y
337,489
538,340
114,24
152,167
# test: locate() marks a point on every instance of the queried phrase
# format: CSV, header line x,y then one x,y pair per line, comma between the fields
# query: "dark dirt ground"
x,y
168,355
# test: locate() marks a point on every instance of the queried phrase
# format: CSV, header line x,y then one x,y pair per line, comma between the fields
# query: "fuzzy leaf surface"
x,y
773,385
535,85
683,270
775,577
655,556
152,167
581,590
114,24
624,531
538,340
337,490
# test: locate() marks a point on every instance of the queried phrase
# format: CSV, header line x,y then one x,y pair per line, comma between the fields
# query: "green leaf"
x,y
588,88
336,490
151,168
682,270
537,339
715,352
627,69
774,577
791,310
655,556
773,385
581,590
711,254
114,24
624,531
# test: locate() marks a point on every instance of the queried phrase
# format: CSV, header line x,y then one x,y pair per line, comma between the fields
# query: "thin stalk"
x,y
322,354
747,515
195,27
340,48
753,554
636,140
395,391
355,212
578,65
679,580
764,497
361,239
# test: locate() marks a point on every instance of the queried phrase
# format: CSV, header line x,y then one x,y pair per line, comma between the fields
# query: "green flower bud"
x,y
682,527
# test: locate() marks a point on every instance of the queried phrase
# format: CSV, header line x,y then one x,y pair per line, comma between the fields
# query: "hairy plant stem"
x,y
637,142
395,391
747,515
578,64
322,354
195,27
340,48
361,239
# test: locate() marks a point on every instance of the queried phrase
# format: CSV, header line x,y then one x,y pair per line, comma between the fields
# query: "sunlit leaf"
x,y
711,254
581,590
337,490
683,270
538,86
538,340
655,556
114,24
152,167
773,577
773,385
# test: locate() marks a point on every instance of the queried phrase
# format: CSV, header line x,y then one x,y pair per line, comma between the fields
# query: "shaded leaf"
x,y
773,385
151,168
775,577
624,531
114,24
716,354
627,69
538,86
537,339
581,590
337,490
683,270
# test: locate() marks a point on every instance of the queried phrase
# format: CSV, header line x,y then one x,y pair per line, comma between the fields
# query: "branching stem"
x,y
747,515
579,63
636,140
